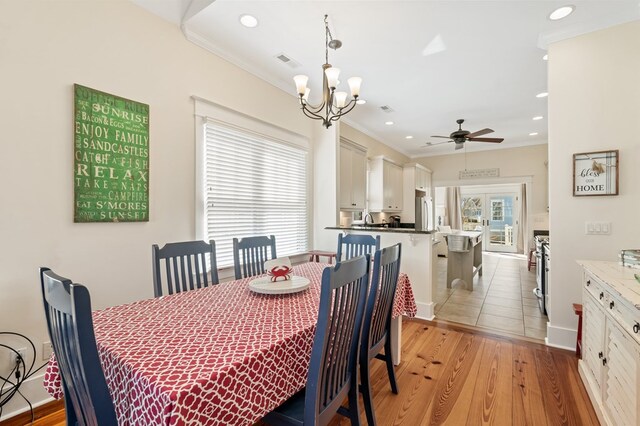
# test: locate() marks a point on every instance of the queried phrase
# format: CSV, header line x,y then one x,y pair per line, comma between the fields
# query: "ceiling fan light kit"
x,y
459,137
334,104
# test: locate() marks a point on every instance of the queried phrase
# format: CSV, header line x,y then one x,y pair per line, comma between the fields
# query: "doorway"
x,y
493,212
496,215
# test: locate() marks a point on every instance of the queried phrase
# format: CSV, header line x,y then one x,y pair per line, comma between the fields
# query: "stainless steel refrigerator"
x,y
424,214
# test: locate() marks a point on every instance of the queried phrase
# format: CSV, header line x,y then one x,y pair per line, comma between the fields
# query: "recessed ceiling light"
x,y
538,117
533,134
388,123
545,58
361,102
542,95
561,12
249,21
408,137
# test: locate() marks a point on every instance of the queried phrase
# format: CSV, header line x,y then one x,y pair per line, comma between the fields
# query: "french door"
x,y
496,214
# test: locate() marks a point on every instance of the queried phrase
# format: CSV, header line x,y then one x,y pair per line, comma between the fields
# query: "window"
x,y
254,185
497,210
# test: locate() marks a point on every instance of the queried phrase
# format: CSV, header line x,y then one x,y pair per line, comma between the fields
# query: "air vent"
x,y
386,108
287,60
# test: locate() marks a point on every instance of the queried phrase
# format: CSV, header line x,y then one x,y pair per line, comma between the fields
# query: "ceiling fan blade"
x,y
479,133
434,144
446,137
494,140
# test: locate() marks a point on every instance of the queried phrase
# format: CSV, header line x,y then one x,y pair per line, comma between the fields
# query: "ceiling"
x,y
431,62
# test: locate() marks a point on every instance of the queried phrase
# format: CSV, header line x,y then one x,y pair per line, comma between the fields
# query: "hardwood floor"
x,y
453,376
456,376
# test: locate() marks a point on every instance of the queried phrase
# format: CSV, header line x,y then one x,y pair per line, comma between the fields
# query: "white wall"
x,y
325,185
594,105
374,146
119,48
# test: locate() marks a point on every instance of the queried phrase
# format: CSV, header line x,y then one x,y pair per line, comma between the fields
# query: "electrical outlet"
x,y
14,356
47,350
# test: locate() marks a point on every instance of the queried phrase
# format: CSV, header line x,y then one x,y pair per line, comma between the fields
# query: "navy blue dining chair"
x,y
250,253
377,322
67,307
356,245
333,374
185,266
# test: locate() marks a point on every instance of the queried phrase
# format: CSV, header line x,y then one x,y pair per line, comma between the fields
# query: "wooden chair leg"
x,y
390,370
365,388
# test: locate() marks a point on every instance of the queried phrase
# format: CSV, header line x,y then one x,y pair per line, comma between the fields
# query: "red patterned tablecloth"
x,y
217,356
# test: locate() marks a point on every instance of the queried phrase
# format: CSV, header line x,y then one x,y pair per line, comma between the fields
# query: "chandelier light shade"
x,y
334,104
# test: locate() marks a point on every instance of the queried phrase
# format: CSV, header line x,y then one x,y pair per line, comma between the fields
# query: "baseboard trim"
x,y
560,337
39,412
425,311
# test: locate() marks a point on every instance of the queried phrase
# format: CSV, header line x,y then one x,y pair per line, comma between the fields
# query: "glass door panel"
x,y
500,234
472,212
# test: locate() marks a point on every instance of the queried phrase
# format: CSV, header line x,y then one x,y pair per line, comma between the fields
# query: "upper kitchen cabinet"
x,y
385,185
423,179
353,176
417,183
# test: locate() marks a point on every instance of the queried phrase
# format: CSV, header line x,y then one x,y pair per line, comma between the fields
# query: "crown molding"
x,y
581,28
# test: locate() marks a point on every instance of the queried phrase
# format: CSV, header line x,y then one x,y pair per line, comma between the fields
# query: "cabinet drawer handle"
x,y
611,305
604,361
636,328
601,295
600,355
588,283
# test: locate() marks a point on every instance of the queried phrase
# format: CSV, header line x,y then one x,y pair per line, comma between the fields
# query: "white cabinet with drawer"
x,y
610,364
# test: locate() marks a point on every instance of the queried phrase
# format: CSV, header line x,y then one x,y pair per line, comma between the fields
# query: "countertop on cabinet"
x,y
619,278
379,229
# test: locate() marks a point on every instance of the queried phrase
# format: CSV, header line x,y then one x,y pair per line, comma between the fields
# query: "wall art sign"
x,y
478,173
596,173
111,158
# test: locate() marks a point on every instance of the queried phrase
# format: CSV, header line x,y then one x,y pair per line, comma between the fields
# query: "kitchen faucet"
x,y
368,215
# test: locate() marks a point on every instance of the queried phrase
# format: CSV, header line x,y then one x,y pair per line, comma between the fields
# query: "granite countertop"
x,y
378,229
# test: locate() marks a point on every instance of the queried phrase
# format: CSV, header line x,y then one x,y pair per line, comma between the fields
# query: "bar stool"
x,y
532,259
314,255
577,309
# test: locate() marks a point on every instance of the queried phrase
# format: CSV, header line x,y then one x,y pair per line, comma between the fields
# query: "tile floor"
x,y
502,298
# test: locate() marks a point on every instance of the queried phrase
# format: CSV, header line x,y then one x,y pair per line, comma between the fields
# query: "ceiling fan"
x,y
461,136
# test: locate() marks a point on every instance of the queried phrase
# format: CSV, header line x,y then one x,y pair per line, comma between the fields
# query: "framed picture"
x,y
595,173
111,158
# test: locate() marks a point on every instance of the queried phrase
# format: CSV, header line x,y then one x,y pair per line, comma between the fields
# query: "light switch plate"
x,y
597,228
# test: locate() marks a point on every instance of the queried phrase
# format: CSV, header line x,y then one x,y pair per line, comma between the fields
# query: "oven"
x,y
539,291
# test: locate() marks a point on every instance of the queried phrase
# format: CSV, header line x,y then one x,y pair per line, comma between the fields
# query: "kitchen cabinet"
x,y
353,176
423,179
385,185
416,182
610,365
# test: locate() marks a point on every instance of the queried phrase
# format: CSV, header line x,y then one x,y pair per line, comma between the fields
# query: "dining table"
x,y
220,355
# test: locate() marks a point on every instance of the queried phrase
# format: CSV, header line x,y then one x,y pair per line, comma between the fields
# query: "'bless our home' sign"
x,y
595,173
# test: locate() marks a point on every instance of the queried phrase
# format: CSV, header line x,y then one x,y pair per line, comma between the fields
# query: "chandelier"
x,y
334,104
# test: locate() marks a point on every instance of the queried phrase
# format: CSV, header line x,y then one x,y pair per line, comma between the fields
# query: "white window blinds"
x,y
255,185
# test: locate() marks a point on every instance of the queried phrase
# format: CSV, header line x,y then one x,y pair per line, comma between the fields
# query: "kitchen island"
x,y
416,261
464,259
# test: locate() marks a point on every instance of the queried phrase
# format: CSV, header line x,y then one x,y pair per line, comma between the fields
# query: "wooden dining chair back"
x,y
333,372
250,253
377,322
353,245
183,266
67,308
